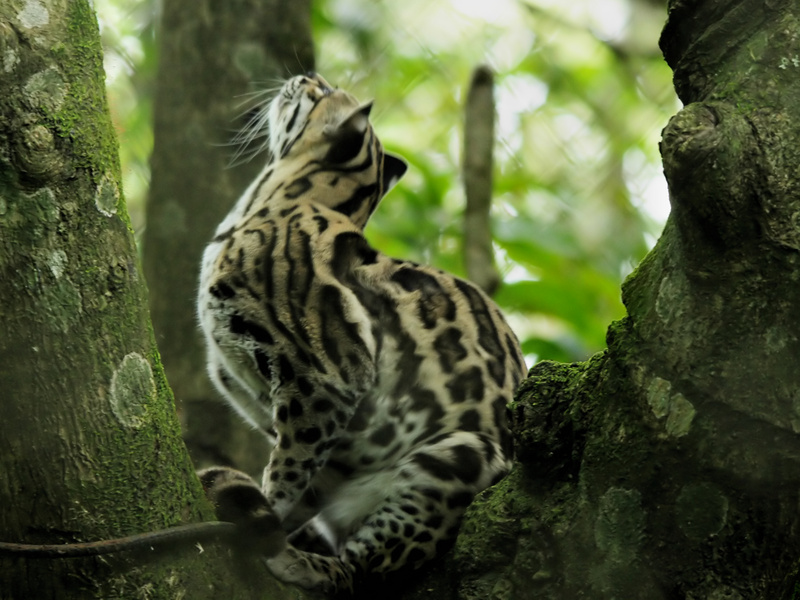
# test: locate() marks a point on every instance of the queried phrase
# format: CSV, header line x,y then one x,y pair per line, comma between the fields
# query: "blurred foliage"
x,y
127,30
582,94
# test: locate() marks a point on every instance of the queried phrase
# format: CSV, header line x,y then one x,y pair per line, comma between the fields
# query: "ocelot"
x,y
382,383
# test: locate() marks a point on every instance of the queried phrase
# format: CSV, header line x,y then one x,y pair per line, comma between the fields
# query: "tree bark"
x,y
211,54
89,442
667,467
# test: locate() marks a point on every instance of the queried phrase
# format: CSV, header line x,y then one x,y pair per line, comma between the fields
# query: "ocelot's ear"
x,y
347,137
394,167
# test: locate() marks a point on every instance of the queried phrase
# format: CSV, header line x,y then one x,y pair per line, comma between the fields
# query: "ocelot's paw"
x,y
238,499
325,574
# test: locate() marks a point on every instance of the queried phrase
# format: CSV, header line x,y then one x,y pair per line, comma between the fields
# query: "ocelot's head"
x,y
318,129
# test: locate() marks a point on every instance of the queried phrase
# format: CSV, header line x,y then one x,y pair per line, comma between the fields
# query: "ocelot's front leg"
x,y
311,387
316,393
308,426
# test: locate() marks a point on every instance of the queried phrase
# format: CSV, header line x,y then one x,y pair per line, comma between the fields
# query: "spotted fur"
x,y
382,383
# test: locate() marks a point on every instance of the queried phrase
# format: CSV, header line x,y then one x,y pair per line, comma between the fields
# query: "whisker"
x,y
252,138
257,93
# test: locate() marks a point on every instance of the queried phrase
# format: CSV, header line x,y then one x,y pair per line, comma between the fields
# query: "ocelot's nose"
x,y
320,81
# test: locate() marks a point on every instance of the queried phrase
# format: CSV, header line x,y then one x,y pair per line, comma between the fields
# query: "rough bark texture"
x,y
211,54
90,447
477,174
667,467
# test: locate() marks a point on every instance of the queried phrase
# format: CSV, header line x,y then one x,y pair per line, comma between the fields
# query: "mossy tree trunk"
x,y
90,447
211,54
668,466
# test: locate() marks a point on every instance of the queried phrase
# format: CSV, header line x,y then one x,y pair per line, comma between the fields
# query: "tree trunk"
x,y
667,467
90,447
211,54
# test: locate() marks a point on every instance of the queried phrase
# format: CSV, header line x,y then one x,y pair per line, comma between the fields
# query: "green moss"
x,y
94,144
551,414
503,548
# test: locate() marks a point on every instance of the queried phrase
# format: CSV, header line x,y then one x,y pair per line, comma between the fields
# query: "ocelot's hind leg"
x,y
416,511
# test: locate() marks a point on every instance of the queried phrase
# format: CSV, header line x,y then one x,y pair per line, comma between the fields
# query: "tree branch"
x,y
477,174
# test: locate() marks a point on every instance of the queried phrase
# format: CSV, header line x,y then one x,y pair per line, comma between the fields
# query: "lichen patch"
x,y
58,263
681,415
63,304
658,393
132,389
619,528
674,406
33,14
9,47
701,510
46,90
36,154
672,297
10,59
106,197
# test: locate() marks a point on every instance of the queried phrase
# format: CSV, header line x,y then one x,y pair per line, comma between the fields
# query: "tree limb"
x,y
477,174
